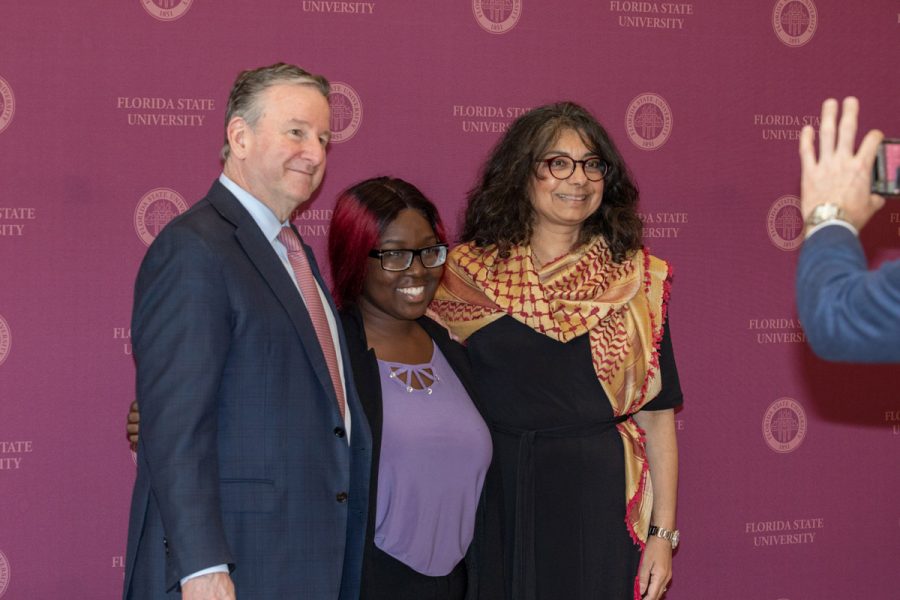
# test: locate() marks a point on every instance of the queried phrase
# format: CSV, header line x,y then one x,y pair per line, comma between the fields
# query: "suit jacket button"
x,y
339,432
341,497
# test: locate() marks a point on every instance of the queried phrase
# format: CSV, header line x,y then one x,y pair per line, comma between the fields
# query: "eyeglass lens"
x,y
400,260
562,167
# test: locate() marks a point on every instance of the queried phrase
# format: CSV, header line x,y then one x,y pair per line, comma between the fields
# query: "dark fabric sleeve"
x,y
181,334
848,312
670,396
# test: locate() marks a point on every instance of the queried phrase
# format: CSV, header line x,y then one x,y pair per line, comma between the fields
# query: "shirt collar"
x,y
264,217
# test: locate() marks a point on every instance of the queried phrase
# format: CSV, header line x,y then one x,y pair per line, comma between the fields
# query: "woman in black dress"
x,y
564,315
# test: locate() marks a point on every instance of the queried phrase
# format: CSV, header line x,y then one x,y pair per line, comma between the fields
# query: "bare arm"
x,y
662,456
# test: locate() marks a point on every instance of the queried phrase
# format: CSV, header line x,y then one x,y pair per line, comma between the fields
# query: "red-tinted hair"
x,y
361,214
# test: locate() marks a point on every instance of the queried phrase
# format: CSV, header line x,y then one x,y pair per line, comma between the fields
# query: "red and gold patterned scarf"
x,y
620,305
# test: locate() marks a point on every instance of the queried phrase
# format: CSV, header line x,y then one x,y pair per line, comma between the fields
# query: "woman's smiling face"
x,y
565,202
401,295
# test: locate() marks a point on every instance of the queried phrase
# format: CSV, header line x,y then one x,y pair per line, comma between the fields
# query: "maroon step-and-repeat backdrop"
x,y
110,124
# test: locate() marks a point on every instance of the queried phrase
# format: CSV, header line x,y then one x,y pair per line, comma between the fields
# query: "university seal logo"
x,y
166,10
648,121
497,16
784,425
7,104
5,339
4,573
155,210
795,21
785,223
346,112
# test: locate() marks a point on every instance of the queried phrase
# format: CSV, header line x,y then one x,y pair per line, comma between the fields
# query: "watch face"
x,y
824,212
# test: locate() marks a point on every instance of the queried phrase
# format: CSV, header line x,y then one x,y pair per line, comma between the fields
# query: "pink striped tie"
x,y
314,306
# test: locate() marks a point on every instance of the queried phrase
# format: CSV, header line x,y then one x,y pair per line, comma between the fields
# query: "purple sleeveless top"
x,y
435,451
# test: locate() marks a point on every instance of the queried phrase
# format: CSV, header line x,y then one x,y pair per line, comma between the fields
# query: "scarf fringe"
x,y
657,329
637,579
638,494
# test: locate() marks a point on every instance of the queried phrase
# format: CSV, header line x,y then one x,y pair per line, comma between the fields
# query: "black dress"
x,y
561,463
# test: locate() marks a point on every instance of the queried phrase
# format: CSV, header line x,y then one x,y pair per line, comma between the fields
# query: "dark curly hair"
x,y
499,209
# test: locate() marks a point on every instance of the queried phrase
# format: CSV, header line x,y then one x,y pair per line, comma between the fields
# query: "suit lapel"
x,y
260,252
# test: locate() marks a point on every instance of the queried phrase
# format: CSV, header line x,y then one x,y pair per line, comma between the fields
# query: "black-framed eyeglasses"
x,y
562,167
400,259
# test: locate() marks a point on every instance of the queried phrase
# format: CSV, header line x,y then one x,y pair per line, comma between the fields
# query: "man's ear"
x,y
239,133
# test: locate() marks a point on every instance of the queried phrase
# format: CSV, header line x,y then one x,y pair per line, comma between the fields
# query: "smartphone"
x,y
886,173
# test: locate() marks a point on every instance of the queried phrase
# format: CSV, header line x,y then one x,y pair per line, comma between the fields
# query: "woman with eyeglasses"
x,y
431,447
564,315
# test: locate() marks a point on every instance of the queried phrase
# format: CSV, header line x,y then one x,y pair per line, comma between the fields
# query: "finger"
x,y
655,589
847,126
877,201
827,128
807,150
643,580
869,147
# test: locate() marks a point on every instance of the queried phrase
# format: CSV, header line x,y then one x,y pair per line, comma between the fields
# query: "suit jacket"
x,y
483,563
243,458
848,312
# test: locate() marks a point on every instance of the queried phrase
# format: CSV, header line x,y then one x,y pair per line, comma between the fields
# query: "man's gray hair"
x,y
250,84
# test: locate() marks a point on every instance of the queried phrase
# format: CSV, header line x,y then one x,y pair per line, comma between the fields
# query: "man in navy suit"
x,y
849,313
250,482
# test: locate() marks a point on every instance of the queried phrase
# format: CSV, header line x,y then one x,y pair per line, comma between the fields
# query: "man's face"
x,y
284,158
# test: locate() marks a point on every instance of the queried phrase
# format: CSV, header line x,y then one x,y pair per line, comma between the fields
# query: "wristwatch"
x,y
825,212
670,535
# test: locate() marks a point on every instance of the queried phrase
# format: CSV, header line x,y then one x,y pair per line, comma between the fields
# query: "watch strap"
x,y
827,211
670,535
